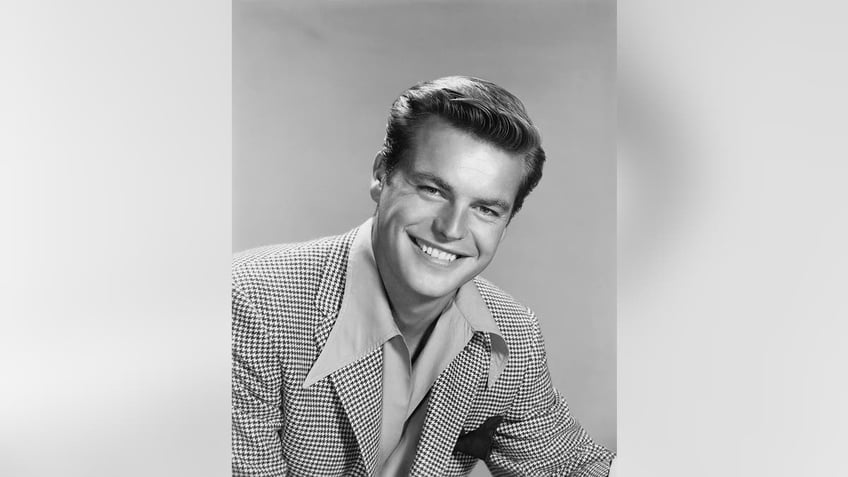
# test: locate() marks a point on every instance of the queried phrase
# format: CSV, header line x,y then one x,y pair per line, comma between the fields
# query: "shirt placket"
x,y
397,390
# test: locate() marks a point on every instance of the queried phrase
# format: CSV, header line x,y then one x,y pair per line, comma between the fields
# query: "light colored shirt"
x,y
365,323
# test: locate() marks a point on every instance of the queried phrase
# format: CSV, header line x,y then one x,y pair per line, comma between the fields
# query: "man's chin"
x,y
436,290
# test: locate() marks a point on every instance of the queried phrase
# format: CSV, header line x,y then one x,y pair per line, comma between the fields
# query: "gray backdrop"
x,y
312,85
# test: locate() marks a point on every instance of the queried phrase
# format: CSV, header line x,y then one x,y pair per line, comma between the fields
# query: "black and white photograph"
x,y
424,238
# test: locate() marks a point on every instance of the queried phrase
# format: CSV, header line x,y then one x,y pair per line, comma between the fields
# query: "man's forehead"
x,y
431,132
436,125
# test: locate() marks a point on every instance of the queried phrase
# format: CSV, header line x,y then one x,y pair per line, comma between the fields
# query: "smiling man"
x,y
382,351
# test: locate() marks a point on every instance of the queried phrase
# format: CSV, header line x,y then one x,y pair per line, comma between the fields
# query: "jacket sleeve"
x,y
257,396
539,436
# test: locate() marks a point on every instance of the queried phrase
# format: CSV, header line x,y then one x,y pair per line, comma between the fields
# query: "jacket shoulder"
x,y
301,265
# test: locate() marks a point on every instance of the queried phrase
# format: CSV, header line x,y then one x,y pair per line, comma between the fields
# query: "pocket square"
x,y
478,442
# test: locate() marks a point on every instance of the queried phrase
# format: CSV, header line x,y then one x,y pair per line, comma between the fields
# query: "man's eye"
x,y
488,212
429,190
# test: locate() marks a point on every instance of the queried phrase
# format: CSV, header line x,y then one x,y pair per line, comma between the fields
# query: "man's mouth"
x,y
434,252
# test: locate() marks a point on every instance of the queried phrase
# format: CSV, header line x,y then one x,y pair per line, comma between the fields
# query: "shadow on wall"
x,y
656,185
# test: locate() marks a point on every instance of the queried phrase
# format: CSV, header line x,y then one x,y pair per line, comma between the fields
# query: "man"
x,y
381,351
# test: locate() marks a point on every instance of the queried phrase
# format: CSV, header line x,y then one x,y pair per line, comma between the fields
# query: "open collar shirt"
x,y
365,323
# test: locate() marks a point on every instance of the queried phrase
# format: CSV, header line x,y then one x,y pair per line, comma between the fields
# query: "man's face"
x,y
442,213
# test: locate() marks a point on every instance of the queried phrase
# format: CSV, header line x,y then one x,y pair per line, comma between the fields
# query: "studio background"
x,y
312,86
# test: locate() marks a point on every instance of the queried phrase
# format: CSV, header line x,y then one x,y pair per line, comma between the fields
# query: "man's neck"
x,y
415,315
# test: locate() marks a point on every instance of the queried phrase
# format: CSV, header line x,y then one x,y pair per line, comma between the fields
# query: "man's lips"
x,y
435,251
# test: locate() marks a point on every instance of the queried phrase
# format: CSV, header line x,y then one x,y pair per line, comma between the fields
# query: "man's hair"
x,y
473,105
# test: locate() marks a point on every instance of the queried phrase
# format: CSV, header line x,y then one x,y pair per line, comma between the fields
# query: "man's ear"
x,y
378,177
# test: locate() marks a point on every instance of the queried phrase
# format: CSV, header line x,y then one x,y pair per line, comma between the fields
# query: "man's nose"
x,y
451,223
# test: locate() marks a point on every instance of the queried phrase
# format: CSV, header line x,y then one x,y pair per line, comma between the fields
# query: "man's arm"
x,y
257,397
539,435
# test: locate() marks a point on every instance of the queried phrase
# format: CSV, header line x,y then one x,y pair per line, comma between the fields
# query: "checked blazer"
x,y
285,302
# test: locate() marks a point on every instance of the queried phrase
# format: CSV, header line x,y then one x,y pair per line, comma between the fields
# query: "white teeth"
x,y
436,253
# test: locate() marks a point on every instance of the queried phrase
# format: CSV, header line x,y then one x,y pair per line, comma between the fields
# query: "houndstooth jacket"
x,y
285,301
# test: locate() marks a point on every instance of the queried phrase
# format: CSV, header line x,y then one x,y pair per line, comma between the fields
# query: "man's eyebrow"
x,y
498,203
434,179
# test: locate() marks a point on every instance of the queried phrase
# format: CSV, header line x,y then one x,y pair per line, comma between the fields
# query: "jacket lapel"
x,y
359,387
449,403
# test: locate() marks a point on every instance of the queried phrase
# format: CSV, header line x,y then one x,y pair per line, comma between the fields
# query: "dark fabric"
x,y
478,443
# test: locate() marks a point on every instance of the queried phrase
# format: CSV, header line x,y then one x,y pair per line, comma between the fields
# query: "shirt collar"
x,y
365,319
476,313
